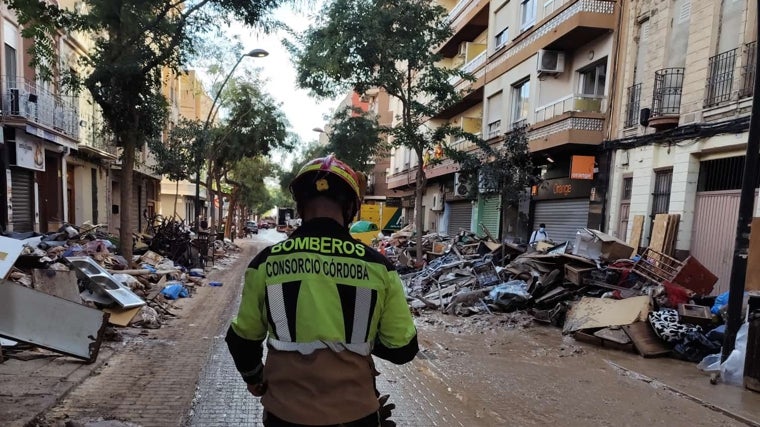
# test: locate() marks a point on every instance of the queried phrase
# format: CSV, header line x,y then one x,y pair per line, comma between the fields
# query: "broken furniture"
x,y
691,274
50,322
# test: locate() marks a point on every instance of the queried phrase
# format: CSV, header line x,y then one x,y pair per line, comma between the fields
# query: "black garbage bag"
x,y
695,346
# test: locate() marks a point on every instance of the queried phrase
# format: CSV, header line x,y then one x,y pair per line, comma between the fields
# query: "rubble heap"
x,y
88,290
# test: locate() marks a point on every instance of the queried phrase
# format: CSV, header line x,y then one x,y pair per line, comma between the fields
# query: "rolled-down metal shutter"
x,y
22,194
490,216
460,216
563,218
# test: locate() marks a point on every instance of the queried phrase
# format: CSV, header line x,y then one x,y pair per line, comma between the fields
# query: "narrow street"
x,y
478,371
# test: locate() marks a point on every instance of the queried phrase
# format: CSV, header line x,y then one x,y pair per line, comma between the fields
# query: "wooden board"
x,y
659,230
636,232
753,261
671,234
646,341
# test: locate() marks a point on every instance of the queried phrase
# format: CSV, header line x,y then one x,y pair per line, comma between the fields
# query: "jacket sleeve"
x,y
248,330
397,337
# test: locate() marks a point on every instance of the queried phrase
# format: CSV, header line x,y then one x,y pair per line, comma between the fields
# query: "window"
x,y
528,14
661,194
593,79
520,97
625,208
494,107
10,66
502,38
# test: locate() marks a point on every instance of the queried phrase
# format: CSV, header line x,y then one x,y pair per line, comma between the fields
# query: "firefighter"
x,y
324,303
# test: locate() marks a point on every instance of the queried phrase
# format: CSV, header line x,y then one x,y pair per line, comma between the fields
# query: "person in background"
x,y
538,235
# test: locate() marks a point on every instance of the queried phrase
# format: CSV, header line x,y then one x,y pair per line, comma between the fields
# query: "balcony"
x,y
633,105
24,100
568,104
94,138
574,119
720,78
467,19
748,70
570,24
666,99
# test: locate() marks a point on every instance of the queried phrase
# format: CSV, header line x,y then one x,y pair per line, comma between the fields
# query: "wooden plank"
x,y
646,341
659,230
753,260
636,232
671,234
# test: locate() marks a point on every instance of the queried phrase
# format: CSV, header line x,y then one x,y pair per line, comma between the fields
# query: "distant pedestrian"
x,y
539,235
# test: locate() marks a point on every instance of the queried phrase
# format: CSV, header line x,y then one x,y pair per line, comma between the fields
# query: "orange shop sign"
x,y
582,167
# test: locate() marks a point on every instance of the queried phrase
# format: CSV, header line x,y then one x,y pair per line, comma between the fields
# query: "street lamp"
x,y
255,53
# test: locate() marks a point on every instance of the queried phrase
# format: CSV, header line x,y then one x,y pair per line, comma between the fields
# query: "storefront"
x,y
563,205
459,216
489,214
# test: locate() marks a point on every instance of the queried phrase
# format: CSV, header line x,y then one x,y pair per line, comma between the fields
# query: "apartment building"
x,y
187,100
537,64
57,168
680,123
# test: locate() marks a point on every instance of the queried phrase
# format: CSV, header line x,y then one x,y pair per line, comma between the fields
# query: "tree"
x,y
176,156
133,41
394,50
354,137
255,125
505,169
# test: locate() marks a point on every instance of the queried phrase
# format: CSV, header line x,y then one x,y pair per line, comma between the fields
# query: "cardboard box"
x,y
594,244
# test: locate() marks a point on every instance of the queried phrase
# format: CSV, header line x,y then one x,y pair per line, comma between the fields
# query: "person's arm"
x,y
532,237
248,330
397,336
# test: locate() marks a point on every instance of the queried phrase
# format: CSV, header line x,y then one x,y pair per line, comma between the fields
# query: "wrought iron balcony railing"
x,y
668,87
633,105
720,78
748,70
23,98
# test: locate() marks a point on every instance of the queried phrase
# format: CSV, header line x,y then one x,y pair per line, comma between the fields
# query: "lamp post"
x,y
255,53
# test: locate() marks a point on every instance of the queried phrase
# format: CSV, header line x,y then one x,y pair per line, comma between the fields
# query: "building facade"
x,y
187,100
681,122
542,65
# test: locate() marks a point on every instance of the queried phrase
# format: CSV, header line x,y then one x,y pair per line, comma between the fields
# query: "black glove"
x,y
385,411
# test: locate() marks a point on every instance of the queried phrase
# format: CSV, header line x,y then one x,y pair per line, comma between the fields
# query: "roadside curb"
x,y
656,383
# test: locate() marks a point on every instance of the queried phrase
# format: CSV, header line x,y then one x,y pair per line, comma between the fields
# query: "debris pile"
x,y
597,288
66,291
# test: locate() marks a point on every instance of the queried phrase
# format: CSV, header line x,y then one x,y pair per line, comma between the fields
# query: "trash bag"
x,y
732,370
174,291
694,347
720,301
508,296
710,363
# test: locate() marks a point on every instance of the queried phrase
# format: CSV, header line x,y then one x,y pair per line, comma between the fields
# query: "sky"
x,y
303,112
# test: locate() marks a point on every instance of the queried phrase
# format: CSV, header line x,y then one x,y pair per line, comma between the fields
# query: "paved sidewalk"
x,y
150,379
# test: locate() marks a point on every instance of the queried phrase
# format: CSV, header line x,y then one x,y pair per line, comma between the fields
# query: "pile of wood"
x,y
664,233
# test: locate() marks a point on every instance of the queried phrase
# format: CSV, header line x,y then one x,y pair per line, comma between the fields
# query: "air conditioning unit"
x,y
551,61
461,186
483,185
437,201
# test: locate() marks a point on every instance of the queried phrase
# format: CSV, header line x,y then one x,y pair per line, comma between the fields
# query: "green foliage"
x,y
505,168
354,137
281,198
176,157
249,174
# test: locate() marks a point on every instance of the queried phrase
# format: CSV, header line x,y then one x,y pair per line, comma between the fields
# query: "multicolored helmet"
x,y
325,176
